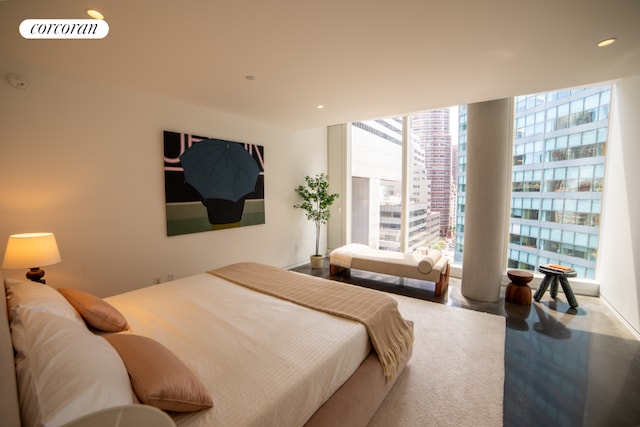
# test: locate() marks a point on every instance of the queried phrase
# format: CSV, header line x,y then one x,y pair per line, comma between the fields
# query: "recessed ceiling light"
x,y
320,107
95,14
607,42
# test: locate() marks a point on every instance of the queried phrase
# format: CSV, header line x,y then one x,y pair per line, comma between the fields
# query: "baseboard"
x,y
585,287
616,313
296,265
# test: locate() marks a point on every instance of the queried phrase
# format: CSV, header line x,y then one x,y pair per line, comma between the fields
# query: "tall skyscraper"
x,y
434,136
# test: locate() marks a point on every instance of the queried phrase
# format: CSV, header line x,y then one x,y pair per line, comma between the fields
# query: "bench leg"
x,y
443,283
336,269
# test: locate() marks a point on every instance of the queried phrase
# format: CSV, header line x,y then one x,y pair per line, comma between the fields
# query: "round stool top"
x,y
557,270
519,277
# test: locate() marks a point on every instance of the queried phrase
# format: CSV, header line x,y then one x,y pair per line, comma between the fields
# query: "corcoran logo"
x,y
64,29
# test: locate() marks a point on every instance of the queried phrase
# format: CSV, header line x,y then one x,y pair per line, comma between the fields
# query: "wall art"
x,y
211,184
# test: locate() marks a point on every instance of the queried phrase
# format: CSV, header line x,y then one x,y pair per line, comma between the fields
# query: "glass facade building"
x,y
559,147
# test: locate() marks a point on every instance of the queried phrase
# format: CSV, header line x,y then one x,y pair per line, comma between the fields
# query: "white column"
x,y
489,159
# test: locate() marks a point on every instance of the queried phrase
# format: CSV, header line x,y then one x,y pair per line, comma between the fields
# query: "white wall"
x,y
85,161
619,257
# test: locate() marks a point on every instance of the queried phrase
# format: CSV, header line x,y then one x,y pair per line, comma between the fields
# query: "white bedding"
x,y
265,361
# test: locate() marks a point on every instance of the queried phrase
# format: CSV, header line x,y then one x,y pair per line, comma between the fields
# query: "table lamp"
x,y
31,249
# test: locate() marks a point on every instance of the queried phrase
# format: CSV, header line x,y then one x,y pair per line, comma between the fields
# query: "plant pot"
x,y
316,261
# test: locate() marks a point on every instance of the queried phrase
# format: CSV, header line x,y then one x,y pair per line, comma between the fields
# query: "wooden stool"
x,y
518,290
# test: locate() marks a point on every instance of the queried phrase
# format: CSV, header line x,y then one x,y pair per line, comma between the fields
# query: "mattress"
x,y
265,361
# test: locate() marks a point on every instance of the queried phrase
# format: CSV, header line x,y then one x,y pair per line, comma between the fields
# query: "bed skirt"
x,y
358,399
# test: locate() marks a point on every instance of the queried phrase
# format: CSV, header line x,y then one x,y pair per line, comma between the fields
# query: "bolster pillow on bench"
x,y
428,261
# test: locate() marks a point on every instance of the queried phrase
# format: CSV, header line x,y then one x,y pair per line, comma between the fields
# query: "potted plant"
x,y
316,200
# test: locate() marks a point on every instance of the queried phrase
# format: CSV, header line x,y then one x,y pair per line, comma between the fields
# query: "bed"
x,y
258,356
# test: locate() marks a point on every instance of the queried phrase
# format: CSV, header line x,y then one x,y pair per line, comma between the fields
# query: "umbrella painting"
x,y
212,183
220,169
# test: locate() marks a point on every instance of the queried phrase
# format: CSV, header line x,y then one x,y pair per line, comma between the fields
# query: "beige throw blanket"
x,y
390,334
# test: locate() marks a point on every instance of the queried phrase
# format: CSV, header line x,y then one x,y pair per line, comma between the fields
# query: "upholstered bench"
x,y
432,266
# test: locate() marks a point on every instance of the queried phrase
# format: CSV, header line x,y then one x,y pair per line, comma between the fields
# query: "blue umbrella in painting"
x,y
220,169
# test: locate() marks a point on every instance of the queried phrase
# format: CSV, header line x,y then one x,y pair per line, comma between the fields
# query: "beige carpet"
x,y
456,374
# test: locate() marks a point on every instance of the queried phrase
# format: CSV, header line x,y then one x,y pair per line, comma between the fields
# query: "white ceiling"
x,y
361,59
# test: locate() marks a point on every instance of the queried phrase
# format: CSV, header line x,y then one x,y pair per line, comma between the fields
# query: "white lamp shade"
x,y
30,250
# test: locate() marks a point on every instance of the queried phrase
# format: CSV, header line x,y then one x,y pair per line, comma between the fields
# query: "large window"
x,y
396,207
559,147
558,170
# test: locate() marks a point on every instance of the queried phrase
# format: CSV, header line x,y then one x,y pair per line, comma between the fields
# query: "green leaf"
x,y
316,200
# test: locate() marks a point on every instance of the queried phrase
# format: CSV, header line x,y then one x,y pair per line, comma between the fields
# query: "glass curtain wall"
x,y
558,169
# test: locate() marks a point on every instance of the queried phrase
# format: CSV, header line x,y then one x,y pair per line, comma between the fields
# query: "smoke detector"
x,y
18,81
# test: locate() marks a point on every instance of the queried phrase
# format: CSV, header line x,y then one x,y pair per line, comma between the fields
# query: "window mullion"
x,y
406,162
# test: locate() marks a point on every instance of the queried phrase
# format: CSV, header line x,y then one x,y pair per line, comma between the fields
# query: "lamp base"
x,y
36,274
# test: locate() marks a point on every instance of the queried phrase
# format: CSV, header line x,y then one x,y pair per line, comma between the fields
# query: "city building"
x,y
434,136
557,178
376,179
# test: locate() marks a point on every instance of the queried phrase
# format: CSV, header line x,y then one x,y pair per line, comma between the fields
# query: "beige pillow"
x,y
95,311
158,377
428,261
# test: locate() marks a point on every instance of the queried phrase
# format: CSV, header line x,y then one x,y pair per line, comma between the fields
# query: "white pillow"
x,y
38,296
64,371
